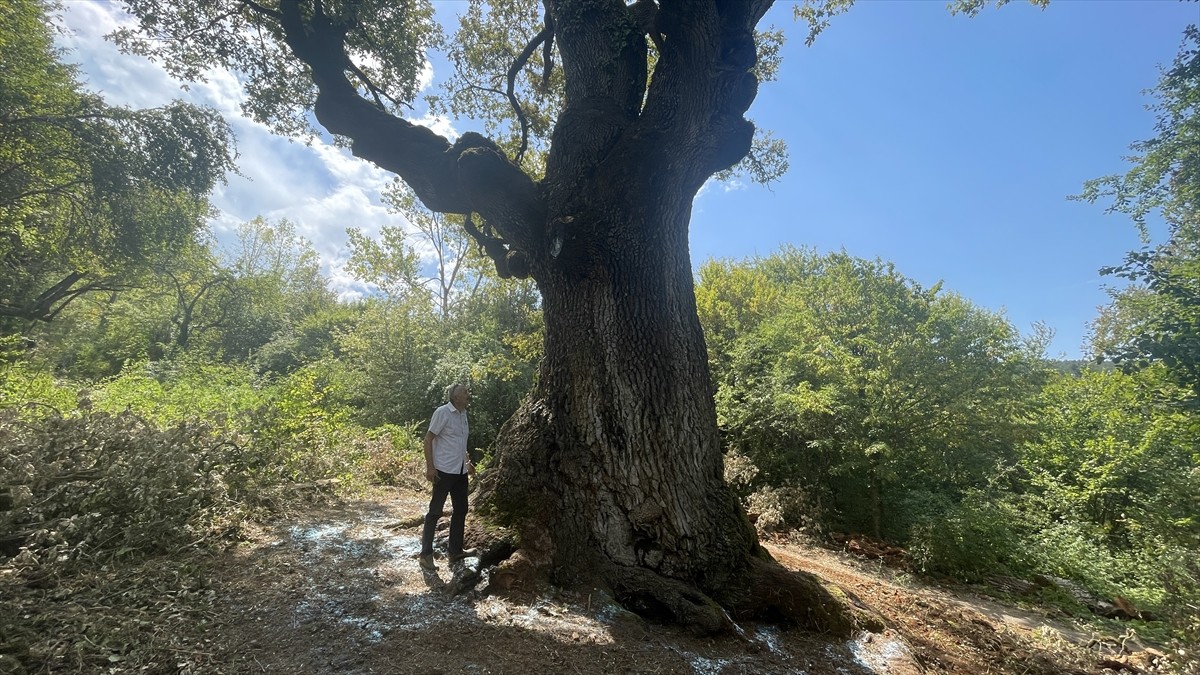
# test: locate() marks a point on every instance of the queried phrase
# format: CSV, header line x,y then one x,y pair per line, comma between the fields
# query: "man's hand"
x,y
431,474
470,469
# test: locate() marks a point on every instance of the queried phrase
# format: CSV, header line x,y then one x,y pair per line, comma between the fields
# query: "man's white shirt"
x,y
449,427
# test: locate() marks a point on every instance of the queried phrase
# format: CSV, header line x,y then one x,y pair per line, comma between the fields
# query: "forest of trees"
x,y
137,350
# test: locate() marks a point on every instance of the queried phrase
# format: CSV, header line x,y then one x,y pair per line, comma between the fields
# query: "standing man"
x,y
447,466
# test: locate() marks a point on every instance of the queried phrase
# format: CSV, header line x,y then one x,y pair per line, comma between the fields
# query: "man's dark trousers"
x,y
455,485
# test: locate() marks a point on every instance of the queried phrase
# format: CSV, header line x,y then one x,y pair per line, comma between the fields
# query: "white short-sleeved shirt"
x,y
449,428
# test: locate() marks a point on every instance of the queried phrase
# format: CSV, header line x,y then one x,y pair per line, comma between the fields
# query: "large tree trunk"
x,y
613,472
633,466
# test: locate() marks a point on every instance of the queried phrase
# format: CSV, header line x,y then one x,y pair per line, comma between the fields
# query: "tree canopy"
x,y
1157,320
92,194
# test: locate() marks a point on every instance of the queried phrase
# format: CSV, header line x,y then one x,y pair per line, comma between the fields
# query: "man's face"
x,y
461,398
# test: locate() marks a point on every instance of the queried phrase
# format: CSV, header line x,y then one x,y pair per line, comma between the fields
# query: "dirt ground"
x,y
340,591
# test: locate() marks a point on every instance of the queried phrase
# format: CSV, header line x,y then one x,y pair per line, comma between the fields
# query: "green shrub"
x,y
103,485
304,428
968,540
33,390
1077,551
1181,581
167,392
390,455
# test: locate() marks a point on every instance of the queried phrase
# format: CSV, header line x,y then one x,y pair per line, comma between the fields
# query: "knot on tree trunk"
x,y
497,189
731,143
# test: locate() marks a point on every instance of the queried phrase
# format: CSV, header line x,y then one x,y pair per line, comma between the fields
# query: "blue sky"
x,y
944,144
948,146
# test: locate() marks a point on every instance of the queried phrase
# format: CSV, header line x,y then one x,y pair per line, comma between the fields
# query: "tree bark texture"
x,y
611,473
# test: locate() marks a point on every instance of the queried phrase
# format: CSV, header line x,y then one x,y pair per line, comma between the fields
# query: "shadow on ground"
x,y
341,592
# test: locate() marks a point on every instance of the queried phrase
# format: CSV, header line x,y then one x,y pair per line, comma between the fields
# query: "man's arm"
x,y
430,471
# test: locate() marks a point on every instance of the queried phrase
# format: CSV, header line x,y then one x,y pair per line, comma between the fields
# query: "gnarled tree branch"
x,y
545,34
458,178
548,50
53,300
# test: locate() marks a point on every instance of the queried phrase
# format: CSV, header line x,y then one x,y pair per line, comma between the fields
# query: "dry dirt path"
x,y
339,591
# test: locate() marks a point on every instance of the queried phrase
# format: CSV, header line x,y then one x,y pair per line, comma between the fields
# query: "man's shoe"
x,y
426,562
467,553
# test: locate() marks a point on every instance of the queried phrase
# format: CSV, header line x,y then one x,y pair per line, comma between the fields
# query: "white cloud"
x,y
443,126
702,192
343,167
321,188
425,78
135,81
121,79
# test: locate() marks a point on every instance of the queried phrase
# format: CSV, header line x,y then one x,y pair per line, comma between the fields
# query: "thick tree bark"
x,y
633,465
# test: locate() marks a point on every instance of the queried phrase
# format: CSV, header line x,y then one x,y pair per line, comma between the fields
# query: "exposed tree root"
x,y
769,590
657,597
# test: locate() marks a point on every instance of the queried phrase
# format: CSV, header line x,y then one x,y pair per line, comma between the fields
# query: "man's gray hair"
x,y
453,389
